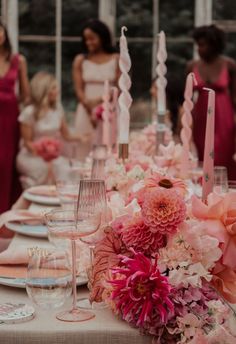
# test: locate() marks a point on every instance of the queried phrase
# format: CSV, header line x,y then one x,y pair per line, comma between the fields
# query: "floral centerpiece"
x,y
166,266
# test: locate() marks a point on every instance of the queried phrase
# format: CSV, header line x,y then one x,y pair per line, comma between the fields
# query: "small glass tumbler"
x,y
220,179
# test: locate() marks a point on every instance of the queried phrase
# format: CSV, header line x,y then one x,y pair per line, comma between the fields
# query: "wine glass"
x,y
99,159
92,195
220,179
49,279
68,193
73,225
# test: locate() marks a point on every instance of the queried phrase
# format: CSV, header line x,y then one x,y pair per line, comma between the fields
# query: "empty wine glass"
x,y
73,225
99,159
68,193
220,179
92,195
49,279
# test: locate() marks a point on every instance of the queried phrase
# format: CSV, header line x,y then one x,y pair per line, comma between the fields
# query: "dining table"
x,y
44,328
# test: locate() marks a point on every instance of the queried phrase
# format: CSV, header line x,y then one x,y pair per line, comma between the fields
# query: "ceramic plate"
x,y
41,199
37,231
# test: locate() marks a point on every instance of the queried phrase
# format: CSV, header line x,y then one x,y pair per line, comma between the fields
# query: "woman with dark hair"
x,y
96,64
13,68
217,72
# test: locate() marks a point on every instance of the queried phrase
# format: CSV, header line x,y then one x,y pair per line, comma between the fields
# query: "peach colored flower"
x,y
162,181
163,210
138,236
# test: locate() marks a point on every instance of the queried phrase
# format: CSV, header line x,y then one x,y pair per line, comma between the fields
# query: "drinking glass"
x,y
49,280
73,225
232,185
68,193
92,195
99,155
220,179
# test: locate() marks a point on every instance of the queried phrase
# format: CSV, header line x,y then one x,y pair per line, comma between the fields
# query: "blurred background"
x,y
47,32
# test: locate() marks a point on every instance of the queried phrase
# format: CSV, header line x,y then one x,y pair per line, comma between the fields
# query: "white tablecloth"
x,y
105,328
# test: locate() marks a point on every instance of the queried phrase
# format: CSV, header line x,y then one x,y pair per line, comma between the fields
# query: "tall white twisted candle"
x,y
106,127
161,71
125,99
114,116
186,120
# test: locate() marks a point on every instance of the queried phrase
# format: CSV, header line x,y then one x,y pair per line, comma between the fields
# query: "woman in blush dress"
x,y
13,68
98,63
43,119
218,72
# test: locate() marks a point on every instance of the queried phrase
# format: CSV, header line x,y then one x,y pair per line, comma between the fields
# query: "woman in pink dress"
x,y
13,68
217,72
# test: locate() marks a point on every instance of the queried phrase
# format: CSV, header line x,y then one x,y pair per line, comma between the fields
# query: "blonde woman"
x,y
43,118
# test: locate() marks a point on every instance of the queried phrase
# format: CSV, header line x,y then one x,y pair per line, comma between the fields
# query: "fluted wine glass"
x,y
92,195
73,225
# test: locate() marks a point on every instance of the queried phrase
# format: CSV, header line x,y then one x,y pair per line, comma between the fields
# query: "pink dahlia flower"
x,y
140,293
137,235
163,210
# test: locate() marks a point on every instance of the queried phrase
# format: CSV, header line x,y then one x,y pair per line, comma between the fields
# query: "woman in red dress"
x,y
13,68
218,72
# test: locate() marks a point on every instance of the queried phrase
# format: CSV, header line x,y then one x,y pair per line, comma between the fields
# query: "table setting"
x,y
146,238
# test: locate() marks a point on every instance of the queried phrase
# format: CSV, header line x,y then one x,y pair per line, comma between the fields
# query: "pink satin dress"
x,y
224,120
9,136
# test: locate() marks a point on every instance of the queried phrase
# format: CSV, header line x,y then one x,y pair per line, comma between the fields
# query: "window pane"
x,y
69,51
177,17
230,45
137,16
40,57
223,10
75,13
141,56
37,17
178,55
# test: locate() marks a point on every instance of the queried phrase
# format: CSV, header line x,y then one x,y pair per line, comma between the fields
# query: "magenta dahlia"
x,y
137,234
163,210
140,293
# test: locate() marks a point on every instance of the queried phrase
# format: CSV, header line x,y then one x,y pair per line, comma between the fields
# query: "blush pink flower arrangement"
x,y
48,148
166,261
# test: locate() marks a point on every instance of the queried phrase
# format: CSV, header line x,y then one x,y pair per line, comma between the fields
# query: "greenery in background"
x,y
176,19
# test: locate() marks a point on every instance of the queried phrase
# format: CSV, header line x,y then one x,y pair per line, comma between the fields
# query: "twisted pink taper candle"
x,y
208,162
106,128
161,71
125,99
186,120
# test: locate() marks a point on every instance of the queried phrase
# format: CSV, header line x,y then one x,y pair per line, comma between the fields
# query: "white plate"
x,y
37,231
46,200
20,282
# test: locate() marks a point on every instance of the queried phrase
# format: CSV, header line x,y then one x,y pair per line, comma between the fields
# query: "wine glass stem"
x,y
74,289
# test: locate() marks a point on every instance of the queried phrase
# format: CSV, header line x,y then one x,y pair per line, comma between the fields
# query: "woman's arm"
x,y
23,80
67,135
27,135
78,81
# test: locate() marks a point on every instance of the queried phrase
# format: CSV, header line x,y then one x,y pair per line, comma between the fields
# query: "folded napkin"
x,y
22,216
18,256
43,190
14,271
